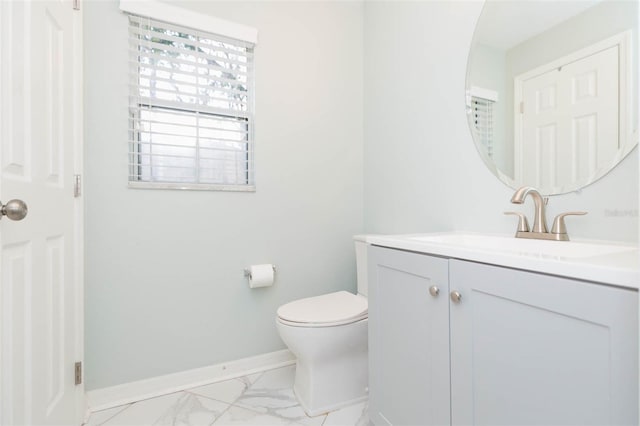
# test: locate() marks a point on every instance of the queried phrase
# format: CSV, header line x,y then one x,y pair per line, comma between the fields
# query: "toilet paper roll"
x,y
261,275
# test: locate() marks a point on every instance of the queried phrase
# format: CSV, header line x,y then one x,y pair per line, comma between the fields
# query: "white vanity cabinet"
x,y
408,338
528,348
516,348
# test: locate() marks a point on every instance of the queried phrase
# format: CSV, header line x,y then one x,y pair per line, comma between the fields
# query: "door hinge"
x,y
77,185
76,4
78,373
521,107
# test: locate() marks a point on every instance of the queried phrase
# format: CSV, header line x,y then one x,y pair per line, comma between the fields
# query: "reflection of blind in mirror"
x,y
483,122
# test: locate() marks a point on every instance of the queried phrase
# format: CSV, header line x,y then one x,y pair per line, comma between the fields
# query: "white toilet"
x,y
328,335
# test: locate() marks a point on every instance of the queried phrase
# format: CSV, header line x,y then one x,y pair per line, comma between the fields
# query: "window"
x,y
191,108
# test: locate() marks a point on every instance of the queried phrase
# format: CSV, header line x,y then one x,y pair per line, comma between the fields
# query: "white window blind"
x,y
191,108
482,110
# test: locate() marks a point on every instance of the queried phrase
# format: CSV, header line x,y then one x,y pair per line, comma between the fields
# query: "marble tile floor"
x,y
260,399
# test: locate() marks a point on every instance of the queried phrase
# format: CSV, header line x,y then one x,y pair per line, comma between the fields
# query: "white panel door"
x,y
40,280
570,120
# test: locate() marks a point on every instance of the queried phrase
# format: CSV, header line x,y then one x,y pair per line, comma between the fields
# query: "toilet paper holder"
x,y
247,271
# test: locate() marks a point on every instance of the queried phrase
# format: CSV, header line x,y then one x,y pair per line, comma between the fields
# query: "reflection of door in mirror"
x,y
566,116
560,49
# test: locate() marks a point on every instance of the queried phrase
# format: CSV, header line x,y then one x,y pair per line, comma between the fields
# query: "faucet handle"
x,y
559,226
523,223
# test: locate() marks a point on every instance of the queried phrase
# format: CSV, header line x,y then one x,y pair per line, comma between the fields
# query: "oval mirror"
x,y
552,90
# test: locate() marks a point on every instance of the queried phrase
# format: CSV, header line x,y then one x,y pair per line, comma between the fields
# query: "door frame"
x,y
623,42
82,409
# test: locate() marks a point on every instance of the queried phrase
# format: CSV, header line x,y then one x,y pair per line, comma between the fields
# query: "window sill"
x,y
192,186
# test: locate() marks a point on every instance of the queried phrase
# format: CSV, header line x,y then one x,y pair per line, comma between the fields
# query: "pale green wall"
x,y
165,290
164,284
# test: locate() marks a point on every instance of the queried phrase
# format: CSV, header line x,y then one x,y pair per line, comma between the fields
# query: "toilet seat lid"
x,y
339,307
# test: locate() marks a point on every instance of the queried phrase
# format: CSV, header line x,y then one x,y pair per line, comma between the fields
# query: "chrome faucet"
x,y
539,231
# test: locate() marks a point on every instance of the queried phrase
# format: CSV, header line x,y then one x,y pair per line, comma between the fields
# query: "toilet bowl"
x,y
328,336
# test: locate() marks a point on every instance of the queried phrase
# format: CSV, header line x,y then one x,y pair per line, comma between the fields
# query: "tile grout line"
x,y
125,408
221,414
190,391
237,398
325,419
247,384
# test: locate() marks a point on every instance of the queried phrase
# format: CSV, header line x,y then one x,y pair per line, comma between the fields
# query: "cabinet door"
x,y
532,349
408,339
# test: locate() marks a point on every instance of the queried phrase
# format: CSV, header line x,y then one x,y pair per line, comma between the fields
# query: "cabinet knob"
x,y
455,296
434,291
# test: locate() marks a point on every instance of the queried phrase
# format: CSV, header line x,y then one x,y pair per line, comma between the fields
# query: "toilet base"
x,y
331,367
319,412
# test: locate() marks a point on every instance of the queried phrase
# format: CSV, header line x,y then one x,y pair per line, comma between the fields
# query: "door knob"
x,y
456,296
14,210
434,290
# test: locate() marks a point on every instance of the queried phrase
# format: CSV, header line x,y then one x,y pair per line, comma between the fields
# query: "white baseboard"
x,y
126,393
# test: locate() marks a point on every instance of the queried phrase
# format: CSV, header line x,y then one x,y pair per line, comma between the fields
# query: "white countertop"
x,y
612,263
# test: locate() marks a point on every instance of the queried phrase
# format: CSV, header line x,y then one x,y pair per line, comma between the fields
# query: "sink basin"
x,y
540,248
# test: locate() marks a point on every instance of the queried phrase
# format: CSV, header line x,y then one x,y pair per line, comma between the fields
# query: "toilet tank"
x,y
361,264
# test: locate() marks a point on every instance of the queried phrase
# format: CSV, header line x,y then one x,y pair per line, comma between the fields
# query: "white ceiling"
x,y
507,23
